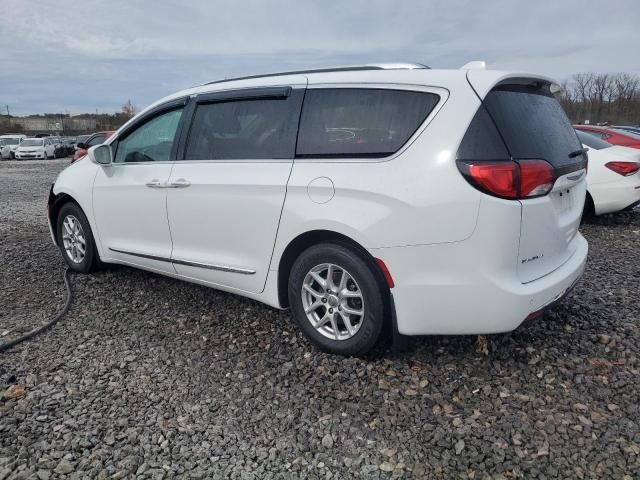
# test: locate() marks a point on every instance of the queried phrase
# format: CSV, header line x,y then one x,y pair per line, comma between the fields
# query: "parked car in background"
x,y
69,146
612,135
91,141
35,148
11,142
81,138
60,146
613,179
628,128
367,200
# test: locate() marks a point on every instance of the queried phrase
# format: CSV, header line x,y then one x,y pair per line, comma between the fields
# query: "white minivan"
x,y
373,201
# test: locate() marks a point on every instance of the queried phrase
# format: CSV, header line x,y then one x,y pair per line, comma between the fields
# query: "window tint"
x,y
591,140
533,124
482,140
349,122
97,140
245,129
150,142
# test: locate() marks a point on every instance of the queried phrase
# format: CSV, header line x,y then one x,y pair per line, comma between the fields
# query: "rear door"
x,y
534,126
228,187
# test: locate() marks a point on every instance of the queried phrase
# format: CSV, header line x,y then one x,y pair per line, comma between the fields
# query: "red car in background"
x,y
95,139
612,135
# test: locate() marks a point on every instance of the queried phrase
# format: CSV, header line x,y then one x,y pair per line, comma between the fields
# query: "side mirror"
x,y
101,154
82,146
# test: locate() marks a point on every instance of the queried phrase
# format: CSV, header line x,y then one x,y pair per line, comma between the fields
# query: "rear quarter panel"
x,y
414,197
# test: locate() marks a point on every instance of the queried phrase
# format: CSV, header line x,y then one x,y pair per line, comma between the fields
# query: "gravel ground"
x,y
156,378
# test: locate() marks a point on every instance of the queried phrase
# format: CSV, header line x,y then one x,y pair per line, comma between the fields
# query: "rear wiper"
x,y
578,152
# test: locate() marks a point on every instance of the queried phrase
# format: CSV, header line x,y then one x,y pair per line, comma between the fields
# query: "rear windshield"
x,y
533,124
592,141
360,122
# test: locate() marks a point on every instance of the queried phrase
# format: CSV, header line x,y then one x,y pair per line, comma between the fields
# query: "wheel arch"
x,y
589,206
54,204
313,237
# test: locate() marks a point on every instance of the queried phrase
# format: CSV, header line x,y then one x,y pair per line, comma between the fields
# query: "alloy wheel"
x,y
333,301
73,239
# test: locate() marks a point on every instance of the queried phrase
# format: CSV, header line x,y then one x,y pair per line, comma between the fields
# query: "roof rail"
x,y
351,68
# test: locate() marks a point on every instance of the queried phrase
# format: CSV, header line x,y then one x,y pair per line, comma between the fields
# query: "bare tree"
x,y
128,109
602,98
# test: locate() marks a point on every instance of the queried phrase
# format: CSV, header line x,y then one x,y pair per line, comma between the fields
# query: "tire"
x,y
90,261
366,328
589,212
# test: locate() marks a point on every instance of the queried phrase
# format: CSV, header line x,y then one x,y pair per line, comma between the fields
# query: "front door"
x,y
228,190
129,196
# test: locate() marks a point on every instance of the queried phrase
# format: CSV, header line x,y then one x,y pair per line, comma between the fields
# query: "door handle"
x,y
180,183
155,183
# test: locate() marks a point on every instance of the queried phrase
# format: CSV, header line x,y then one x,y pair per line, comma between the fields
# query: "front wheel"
x,y
75,239
336,299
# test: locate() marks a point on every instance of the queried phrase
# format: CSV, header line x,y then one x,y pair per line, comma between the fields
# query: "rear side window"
x,y
482,140
245,129
360,122
533,124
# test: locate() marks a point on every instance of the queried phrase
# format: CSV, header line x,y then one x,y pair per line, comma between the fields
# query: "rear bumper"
x,y
615,196
457,298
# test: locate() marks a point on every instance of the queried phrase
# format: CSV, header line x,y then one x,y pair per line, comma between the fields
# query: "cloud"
x,y
80,55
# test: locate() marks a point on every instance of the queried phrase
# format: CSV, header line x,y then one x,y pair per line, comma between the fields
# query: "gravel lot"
x,y
156,378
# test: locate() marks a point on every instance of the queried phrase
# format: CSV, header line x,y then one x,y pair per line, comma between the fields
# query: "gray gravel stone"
x,y
158,378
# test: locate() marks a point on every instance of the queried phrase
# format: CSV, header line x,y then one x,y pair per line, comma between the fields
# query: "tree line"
x,y
612,98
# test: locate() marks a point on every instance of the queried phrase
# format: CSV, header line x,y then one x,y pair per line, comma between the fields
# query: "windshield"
x,y
592,141
32,142
11,141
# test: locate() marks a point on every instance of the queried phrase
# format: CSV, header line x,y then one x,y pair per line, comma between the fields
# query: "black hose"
x,y
33,333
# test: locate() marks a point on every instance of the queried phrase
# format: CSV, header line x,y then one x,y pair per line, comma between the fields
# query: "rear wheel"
x,y
75,239
336,299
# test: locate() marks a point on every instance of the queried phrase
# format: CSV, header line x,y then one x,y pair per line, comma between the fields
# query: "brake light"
x,y
508,179
623,168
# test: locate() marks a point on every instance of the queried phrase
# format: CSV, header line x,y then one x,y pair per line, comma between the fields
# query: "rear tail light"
x,y
623,168
508,179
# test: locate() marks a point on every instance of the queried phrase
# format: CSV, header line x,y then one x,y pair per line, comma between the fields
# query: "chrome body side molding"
x,y
222,268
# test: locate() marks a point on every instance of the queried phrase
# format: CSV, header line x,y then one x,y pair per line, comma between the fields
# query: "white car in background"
x,y
35,148
10,144
368,200
613,177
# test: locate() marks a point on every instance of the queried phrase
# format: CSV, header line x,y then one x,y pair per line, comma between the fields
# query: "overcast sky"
x,y
82,55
